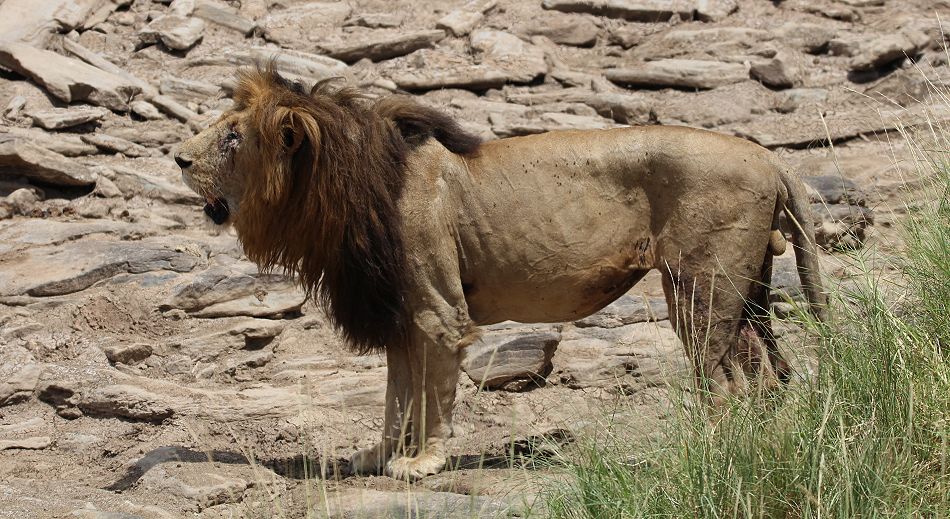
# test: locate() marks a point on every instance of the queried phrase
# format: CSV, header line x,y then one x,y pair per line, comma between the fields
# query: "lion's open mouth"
x,y
217,210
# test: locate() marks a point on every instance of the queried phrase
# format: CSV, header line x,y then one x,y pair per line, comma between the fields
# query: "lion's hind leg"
x,y
718,307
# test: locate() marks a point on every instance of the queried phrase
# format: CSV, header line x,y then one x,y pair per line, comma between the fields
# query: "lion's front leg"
x,y
395,419
435,371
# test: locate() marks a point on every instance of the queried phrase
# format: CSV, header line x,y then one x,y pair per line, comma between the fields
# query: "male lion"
x,y
412,233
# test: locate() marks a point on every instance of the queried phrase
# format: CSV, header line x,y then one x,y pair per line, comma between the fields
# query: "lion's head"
x,y
250,151
311,181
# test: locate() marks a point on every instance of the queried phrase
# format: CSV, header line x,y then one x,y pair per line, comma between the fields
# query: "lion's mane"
x,y
328,212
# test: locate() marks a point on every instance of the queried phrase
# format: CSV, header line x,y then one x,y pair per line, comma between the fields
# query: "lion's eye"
x,y
230,141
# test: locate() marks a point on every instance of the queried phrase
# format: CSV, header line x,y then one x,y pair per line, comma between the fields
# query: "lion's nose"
x,y
182,162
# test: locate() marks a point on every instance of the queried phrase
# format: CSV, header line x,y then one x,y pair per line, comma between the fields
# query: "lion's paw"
x,y
368,461
417,467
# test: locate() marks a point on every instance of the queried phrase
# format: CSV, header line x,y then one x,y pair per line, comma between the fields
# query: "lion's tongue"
x,y
217,210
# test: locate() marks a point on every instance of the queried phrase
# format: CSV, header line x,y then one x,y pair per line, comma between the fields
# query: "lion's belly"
x,y
564,298
556,265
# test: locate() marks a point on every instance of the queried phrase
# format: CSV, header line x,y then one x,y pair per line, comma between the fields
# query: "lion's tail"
x,y
799,217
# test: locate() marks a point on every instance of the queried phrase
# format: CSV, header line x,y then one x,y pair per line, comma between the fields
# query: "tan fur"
x,y
543,228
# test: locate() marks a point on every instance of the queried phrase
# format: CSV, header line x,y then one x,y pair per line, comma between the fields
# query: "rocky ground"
x,y
148,370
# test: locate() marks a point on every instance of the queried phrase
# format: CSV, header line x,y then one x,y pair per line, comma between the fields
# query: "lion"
x,y
412,233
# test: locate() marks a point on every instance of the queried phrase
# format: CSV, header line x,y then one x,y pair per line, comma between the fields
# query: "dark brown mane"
x,y
332,168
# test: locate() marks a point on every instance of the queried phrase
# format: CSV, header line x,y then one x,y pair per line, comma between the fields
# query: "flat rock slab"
x,y
225,17
175,32
522,61
552,121
65,144
633,10
511,358
627,310
68,79
19,385
34,443
59,118
472,77
19,158
622,108
124,401
236,290
291,25
111,144
377,47
679,73
296,64
19,235
881,51
803,129
68,268
135,182
34,21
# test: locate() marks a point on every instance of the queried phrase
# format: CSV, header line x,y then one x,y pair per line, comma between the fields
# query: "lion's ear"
x,y
297,129
294,137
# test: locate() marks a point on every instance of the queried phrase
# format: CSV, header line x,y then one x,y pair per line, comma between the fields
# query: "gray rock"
x,y
286,26
622,108
59,118
145,110
799,97
224,16
679,73
67,79
812,38
128,353
111,144
522,61
878,52
124,401
35,443
137,182
236,290
65,144
633,10
504,126
625,36
627,310
22,201
802,129
576,32
460,22
294,64
35,21
19,158
20,385
14,107
835,189
471,77
188,90
383,46
779,72
714,10
174,108
175,32
71,267
17,236
511,358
